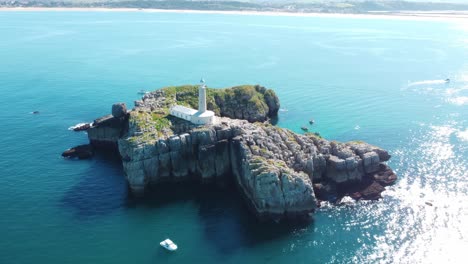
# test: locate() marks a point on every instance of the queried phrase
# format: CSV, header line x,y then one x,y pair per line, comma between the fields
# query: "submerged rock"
x,y
80,152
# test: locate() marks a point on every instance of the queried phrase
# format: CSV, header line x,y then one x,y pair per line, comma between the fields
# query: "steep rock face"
x,y
273,167
272,190
201,152
107,130
214,153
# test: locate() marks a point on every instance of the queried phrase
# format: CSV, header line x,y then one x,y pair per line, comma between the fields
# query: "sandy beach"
x,y
434,15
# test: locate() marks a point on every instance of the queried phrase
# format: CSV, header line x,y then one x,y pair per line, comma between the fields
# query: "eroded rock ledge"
x,y
280,173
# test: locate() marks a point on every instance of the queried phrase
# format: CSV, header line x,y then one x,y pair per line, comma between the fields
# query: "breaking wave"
x,y
77,125
426,82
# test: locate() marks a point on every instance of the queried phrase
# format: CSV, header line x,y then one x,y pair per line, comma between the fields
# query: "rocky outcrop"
x,y
251,103
273,167
106,131
222,153
281,174
119,110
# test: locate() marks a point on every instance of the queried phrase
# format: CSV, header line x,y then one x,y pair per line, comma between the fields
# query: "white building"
x,y
200,117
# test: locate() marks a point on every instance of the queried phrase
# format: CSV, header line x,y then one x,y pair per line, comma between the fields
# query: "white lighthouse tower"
x,y
200,117
202,97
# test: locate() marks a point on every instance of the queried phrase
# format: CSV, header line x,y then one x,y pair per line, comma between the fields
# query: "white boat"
x,y
168,244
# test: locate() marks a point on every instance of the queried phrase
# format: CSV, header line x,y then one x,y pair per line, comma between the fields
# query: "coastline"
x,y
404,15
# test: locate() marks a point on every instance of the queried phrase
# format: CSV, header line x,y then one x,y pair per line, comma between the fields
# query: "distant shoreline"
x,y
434,15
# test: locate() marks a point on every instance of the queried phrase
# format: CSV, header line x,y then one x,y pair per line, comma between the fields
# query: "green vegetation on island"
x,y
251,102
224,102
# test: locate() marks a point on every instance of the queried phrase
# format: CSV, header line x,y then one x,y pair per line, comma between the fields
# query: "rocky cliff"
x,y
104,132
281,174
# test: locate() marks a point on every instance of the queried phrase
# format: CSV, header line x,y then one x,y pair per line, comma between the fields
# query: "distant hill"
x,y
355,6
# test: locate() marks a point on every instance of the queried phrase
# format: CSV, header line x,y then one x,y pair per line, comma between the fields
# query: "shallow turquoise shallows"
x,y
377,80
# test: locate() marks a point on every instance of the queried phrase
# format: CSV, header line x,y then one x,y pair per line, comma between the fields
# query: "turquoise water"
x,y
376,80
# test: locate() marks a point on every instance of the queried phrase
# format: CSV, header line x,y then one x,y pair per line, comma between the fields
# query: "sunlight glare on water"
x,y
430,223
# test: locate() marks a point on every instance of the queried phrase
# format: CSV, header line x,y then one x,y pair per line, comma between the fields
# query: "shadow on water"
x,y
228,225
100,191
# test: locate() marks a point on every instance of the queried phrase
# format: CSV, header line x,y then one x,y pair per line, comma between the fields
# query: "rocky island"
x,y
281,174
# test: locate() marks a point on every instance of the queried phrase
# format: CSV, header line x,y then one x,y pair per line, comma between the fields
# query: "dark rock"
x,y
80,152
385,176
383,154
119,110
325,192
356,195
373,191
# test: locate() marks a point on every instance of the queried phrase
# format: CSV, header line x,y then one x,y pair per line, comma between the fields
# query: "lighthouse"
x,y
200,117
202,97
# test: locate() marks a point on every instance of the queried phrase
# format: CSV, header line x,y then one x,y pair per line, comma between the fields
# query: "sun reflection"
x,y
425,216
461,100
463,135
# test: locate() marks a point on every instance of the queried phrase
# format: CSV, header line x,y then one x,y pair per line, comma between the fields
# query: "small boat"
x,y
304,128
311,121
142,92
168,244
35,112
447,80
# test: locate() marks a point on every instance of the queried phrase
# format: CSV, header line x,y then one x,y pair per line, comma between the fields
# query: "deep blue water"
x,y
376,80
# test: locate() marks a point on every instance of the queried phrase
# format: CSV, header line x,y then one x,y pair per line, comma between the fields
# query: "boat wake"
x,y
427,82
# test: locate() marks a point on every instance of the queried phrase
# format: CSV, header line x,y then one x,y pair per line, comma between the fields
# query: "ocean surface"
x,y
378,80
